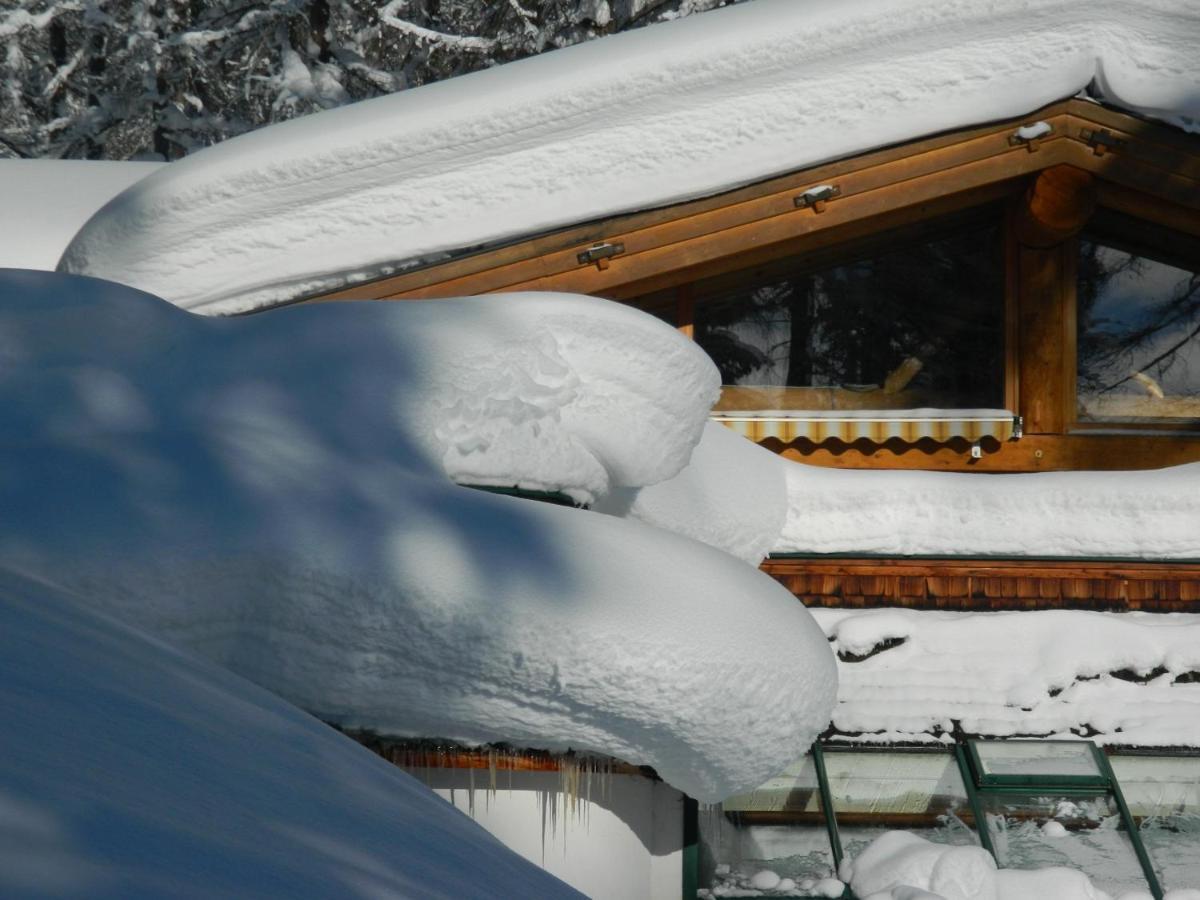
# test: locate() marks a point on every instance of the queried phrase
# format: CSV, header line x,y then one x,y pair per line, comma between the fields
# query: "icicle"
x,y
542,799
587,788
471,791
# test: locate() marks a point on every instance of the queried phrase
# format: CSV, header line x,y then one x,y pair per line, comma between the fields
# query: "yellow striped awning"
x,y
877,426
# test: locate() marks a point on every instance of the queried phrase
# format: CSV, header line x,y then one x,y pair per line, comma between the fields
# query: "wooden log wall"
x,y
990,584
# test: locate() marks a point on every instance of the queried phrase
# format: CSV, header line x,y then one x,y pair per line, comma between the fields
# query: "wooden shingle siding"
x,y
990,584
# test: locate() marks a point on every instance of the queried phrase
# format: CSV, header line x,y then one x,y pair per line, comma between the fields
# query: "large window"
x,y
916,323
1138,315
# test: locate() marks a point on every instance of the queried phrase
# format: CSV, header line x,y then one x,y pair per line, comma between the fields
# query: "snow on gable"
x,y
643,118
252,489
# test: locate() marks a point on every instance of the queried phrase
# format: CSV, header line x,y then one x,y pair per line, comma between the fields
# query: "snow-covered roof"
x,y
271,492
45,201
1118,678
635,120
131,769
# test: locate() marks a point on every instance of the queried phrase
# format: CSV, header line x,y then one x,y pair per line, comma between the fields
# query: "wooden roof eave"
x,y
1138,163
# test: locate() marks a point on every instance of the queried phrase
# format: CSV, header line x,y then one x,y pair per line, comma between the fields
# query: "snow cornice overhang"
x,y
637,120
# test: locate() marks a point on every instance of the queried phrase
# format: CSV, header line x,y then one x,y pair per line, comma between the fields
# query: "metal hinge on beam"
x,y
1101,141
600,254
1030,135
815,197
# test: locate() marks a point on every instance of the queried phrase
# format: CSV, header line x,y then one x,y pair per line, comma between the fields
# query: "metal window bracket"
x,y
1030,136
1101,141
816,197
600,254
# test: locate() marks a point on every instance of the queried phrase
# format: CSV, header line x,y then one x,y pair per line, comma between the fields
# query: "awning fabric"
x,y
877,426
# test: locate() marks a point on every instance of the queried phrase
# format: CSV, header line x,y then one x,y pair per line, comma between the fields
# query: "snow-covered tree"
x,y
121,79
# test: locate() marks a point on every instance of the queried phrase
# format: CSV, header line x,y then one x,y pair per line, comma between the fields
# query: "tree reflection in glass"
x,y
1138,338
911,326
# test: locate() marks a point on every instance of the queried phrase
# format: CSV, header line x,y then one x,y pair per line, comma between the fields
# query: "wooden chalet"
x,y
1022,210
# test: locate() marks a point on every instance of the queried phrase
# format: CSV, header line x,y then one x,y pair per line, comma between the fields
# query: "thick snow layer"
x,y
1056,673
252,489
45,201
1153,514
730,495
635,120
543,391
131,769
901,866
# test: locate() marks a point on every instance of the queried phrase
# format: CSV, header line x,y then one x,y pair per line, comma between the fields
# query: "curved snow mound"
x,y
230,786
543,391
631,121
47,200
899,865
1151,514
731,495
244,488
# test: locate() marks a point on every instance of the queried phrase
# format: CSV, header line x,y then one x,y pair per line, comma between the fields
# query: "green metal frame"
x,y
986,780
1134,834
977,785
968,780
979,782
831,826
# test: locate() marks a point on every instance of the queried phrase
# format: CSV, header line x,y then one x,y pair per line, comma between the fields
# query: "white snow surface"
x,y
45,201
131,769
902,866
643,118
252,489
1153,514
730,495
543,391
1049,673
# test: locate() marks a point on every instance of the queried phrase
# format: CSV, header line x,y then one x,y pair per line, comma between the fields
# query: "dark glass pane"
x,y
661,304
919,325
1138,337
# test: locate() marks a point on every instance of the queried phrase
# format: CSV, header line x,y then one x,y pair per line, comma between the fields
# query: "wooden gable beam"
x,y
1134,160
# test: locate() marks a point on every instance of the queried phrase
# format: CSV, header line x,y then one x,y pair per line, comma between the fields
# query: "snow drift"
x,y
730,495
130,769
1122,678
259,490
635,120
902,866
1153,514
543,391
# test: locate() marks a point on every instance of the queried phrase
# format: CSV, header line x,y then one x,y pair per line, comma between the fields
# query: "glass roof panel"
x,y
1037,761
